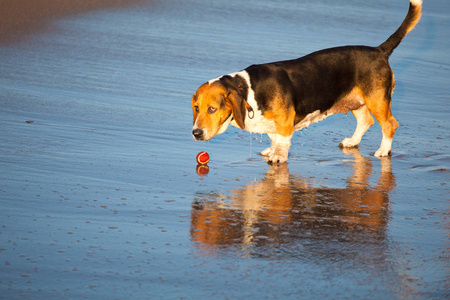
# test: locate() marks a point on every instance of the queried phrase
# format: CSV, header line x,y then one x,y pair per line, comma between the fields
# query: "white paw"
x,y
385,148
382,152
280,155
268,152
348,143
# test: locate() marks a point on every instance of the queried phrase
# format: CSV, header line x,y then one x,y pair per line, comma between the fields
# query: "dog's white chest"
x,y
258,124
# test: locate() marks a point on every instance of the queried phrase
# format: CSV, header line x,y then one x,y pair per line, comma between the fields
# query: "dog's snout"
x,y
197,133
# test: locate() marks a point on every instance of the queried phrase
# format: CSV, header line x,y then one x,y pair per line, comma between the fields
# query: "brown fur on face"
x,y
213,105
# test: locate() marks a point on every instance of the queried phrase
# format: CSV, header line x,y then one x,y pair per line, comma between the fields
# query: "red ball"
x,y
203,158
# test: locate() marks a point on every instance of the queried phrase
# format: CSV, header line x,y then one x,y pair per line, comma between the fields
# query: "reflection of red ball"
x,y
203,158
202,170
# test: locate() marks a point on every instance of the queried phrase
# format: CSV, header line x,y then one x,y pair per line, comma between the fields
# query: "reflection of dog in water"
x,y
282,206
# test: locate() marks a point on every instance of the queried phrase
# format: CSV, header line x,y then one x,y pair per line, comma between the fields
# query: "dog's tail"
x,y
411,19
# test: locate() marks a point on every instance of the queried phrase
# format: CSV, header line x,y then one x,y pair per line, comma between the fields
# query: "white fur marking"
x,y
257,124
215,79
385,147
356,138
310,119
225,125
282,140
279,150
416,2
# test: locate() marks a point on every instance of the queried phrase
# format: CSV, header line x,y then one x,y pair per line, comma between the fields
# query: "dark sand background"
x,y
20,18
99,192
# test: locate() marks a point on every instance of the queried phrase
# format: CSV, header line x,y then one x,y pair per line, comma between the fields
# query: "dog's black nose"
x,y
197,133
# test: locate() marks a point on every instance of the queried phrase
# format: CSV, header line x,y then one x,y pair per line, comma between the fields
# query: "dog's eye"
x,y
196,108
212,110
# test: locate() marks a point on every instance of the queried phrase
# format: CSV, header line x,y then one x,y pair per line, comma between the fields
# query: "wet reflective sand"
x,y
278,211
101,196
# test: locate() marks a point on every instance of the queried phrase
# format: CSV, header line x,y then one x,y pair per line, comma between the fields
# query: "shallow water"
x,y
100,194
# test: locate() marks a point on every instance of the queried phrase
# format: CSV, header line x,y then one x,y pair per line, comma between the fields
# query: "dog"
x,y
282,97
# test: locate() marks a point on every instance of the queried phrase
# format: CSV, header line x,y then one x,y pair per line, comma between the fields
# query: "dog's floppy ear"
x,y
237,107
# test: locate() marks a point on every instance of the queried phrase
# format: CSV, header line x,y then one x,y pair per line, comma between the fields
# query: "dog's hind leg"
x,y
381,109
364,121
388,126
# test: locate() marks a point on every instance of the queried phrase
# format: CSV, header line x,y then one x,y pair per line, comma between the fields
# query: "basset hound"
x,y
279,98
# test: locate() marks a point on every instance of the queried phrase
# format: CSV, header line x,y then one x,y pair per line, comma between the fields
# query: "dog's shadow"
x,y
285,209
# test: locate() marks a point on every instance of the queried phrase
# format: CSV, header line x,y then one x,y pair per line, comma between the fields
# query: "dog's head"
x,y
214,105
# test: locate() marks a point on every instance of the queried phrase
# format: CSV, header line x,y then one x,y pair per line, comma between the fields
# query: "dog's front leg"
x,y
278,152
269,151
281,140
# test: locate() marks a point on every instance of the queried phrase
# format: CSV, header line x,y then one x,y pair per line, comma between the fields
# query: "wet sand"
x,y
101,196
21,18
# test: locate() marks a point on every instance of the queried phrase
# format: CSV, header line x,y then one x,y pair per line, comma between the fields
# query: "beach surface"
x,y
101,196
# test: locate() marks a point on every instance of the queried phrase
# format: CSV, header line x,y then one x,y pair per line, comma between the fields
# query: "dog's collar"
x,y
250,111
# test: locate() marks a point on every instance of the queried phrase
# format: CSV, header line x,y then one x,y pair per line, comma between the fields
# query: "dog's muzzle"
x,y
198,134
